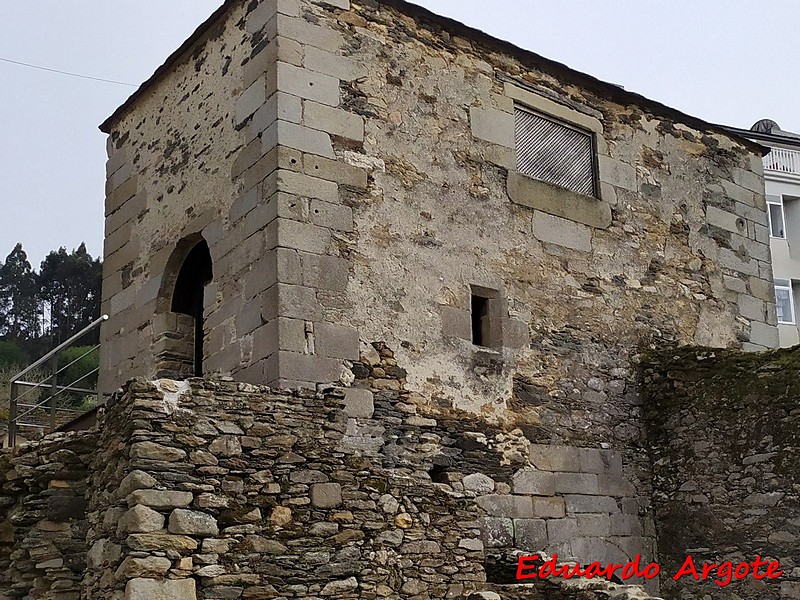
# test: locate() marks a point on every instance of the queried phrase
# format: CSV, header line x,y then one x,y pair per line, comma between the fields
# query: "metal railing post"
x,y
53,392
12,415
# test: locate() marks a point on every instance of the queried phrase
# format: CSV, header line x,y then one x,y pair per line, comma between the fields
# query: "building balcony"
x,y
781,160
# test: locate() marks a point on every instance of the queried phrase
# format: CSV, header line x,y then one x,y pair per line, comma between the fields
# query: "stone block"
x,y
494,126
626,525
550,508
557,201
593,460
302,367
594,525
617,173
305,139
162,589
497,532
136,480
334,170
306,84
251,100
153,451
735,284
763,334
263,274
456,323
61,509
478,483
752,308
562,232
334,216
118,197
327,273
730,260
296,302
516,334
299,184
575,483
340,67
160,542
533,481
290,334
561,530
160,499
326,495
191,522
333,120
140,519
530,535
748,180
258,18
359,403
501,505
148,566
343,4
609,485
590,504
336,341
554,458
303,236
725,220
289,266
308,34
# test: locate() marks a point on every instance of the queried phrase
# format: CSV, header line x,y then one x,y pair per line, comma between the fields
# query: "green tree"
x,y
18,298
69,289
12,356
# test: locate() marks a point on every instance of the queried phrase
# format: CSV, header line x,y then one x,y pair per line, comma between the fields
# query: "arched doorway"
x,y
188,297
178,325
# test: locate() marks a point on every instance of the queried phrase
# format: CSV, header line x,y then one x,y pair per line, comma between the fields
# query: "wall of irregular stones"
x,y
217,489
724,430
43,525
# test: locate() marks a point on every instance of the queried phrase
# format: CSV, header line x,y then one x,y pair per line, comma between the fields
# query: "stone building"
x,y
319,193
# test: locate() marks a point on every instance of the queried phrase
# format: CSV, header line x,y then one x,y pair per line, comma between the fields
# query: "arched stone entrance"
x,y
178,327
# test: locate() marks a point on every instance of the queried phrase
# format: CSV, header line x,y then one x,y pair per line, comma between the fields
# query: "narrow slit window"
x,y
480,312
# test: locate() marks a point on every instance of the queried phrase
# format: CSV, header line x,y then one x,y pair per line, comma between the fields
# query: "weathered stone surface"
x,y
326,495
152,589
160,499
479,483
140,519
190,522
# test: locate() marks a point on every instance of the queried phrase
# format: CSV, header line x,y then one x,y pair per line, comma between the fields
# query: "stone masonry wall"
x,y
724,430
217,489
43,523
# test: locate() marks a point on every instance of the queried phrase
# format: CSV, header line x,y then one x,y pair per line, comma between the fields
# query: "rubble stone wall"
x,y
724,431
43,524
217,489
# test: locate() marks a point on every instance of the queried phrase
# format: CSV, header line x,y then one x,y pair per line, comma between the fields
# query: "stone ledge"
x,y
559,202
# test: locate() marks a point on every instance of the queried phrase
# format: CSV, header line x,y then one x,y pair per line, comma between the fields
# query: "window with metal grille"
x,y
554,152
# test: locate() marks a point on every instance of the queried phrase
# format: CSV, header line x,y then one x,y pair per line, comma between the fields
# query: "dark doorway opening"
x,y
188,297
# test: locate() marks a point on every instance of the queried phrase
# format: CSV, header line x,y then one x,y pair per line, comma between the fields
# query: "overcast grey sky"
x,y
730,62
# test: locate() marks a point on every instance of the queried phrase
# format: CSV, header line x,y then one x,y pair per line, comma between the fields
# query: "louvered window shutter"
x,y
555,153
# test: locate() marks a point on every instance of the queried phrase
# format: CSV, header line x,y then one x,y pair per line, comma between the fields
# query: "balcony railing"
x,y
783,161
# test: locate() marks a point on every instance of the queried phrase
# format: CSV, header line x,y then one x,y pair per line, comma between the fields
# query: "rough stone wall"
x,y
217,489
724,430
43,521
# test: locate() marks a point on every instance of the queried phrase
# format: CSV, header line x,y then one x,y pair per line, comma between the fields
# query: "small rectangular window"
x,y
480,312
554,152
784,305
777,227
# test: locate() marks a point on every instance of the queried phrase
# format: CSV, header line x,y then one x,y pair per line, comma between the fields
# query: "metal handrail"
x,y
94,325
14,419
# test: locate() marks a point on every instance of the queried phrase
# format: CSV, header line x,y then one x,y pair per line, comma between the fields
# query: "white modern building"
x,y
782,189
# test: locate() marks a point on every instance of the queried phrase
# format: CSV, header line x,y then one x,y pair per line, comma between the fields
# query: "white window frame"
x,y
783,218
785,285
